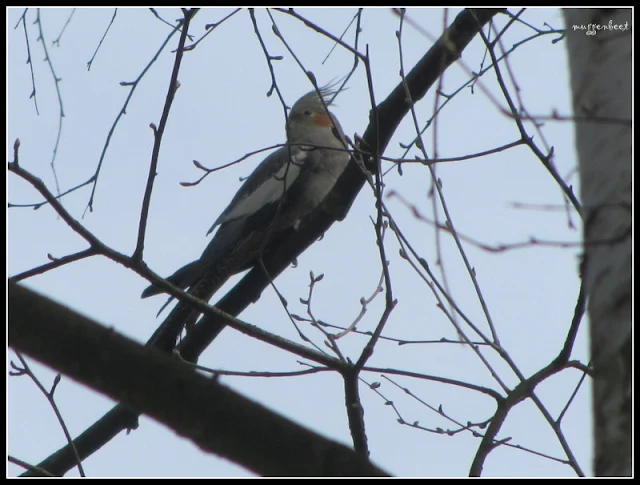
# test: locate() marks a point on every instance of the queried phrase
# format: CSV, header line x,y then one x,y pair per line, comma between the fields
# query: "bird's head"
x,y
309,117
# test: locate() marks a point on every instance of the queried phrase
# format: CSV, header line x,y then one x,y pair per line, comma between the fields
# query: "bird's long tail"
x,y
242,256
185,314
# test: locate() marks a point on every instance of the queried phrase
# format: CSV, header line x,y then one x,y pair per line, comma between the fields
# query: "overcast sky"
x,y
220,113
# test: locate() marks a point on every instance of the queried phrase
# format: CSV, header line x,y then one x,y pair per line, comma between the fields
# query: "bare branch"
x,y
222,421
173,87
95,53
25,370
56,81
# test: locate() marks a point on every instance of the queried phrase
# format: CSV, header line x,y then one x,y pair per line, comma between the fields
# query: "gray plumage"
x,y
276,198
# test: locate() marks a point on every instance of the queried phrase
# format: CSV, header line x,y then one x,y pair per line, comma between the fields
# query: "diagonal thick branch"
x,y
219,420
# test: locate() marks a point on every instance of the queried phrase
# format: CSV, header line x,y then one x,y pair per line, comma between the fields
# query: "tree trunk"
x,y
599,46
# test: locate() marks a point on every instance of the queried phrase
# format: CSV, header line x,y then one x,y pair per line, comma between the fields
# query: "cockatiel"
x,y
284,189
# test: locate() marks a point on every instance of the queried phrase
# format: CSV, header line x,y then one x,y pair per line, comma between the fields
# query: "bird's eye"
x,y
307,112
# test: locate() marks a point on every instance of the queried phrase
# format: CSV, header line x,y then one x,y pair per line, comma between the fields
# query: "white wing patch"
x,y
268,191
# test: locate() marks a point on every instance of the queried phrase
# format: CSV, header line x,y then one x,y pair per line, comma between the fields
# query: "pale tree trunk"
x,y
600,65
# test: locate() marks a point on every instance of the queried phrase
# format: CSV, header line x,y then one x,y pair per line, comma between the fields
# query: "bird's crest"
x,y
316,99
326,94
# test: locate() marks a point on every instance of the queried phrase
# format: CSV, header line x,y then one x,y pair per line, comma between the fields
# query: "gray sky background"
x,y
220,113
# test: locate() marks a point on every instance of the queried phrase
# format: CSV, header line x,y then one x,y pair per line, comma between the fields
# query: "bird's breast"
x,y
320,172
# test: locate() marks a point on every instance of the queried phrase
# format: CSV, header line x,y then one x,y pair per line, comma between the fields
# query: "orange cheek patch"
x,y
323,120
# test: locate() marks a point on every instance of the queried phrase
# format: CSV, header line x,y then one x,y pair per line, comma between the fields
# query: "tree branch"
x,y
219,420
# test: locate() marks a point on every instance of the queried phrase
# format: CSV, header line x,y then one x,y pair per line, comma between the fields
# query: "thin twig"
x,y
364,303
438,189
265,374
583,377
158,132
473,428
270,59
49,394
95,53
56,81
293,318
321,31
56,41
526,390
544,159
329,339
208,171
531,242
27,466
443,380
55,263
23,21
133,85
209,28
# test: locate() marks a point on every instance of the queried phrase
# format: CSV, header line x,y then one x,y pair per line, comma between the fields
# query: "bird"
x,y
273,201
